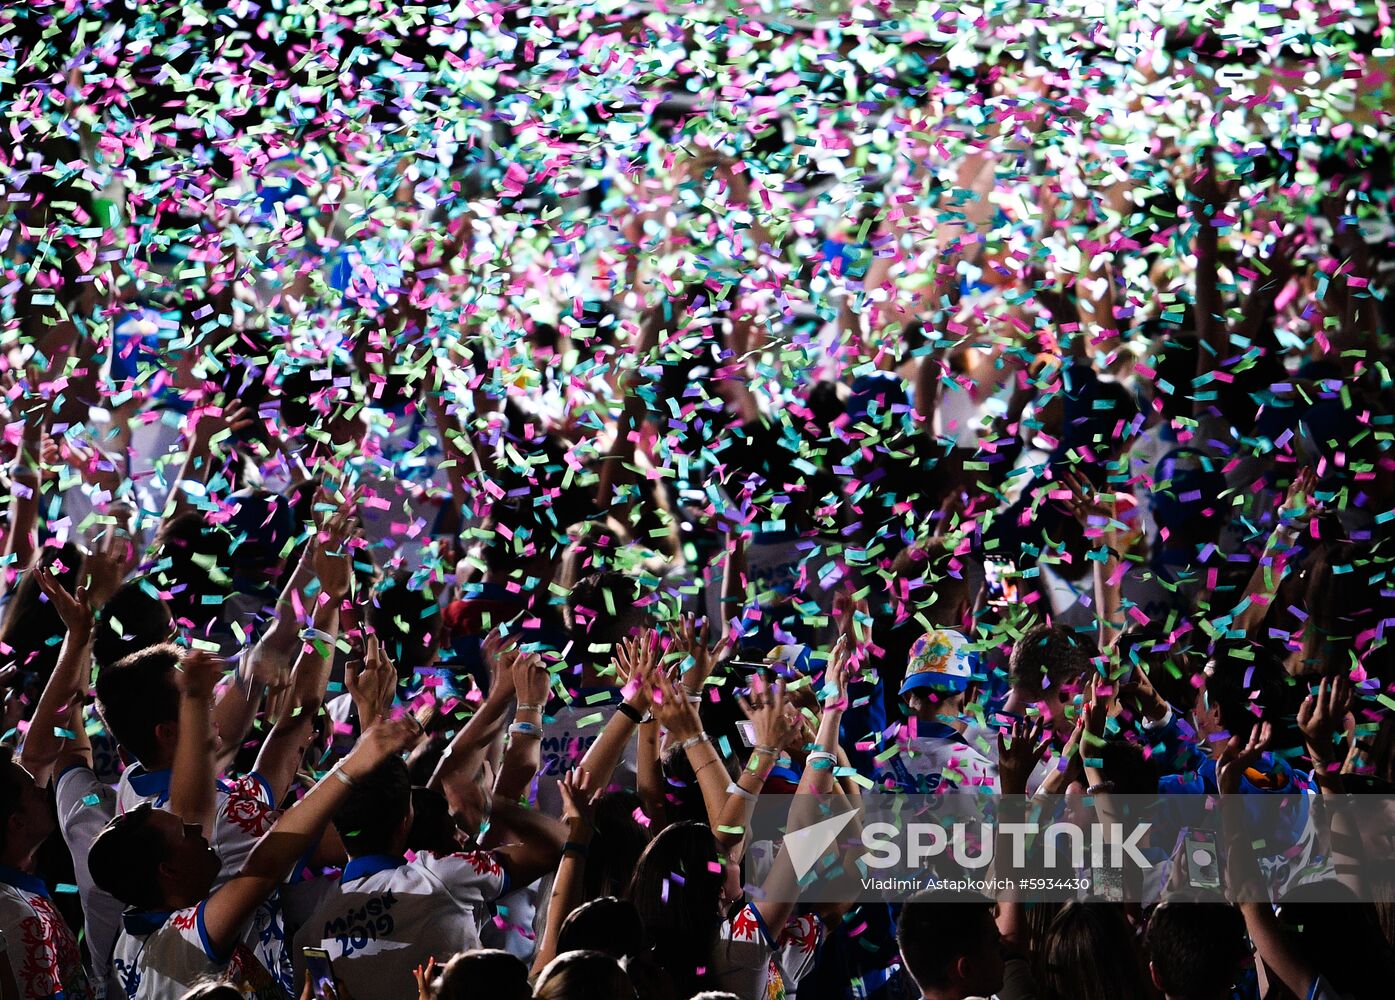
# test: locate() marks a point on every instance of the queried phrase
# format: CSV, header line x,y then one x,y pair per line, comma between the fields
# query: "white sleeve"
x,y
472,877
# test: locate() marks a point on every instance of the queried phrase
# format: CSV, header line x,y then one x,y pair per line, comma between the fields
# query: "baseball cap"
x,y
941,660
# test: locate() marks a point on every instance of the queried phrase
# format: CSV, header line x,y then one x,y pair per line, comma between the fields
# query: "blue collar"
x,y
150,784
23,880
143,923
370,864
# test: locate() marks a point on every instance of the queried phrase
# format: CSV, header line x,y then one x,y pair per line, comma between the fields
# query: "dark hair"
x,y
369,818
602,609
125,859
619,841
607,924
407,621
1329,925
1049,656
680,913
32,628
1197,945
483,972
583,975
936,928
11,791
1089,953
132,620
138,694
432,829
191,569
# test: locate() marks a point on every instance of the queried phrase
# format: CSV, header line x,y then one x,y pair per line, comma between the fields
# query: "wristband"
x,y
821,760
312,634
525,729
693,741
694,699
528,708
338,772
632,713
735,789
1103,786
576,848
770,750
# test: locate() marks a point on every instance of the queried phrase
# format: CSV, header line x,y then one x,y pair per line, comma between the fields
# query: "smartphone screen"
x,y
321,973
1000,582
1203,860
747,729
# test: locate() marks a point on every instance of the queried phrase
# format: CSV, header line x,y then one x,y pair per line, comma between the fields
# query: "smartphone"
x,y
1203,860
321,972
1000,582
747,729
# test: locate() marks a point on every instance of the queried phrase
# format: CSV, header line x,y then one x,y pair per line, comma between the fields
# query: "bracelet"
x,y
527,708
707,763
821,760
576,848
693,741
770,750
735,789
632,713
311,634
694,699
1103,786
525,729
338,772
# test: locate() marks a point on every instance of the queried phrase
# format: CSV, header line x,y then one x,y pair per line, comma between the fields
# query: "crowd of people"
x,y
408,586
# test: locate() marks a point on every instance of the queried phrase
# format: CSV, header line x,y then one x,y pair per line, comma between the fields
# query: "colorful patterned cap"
x,y
941,660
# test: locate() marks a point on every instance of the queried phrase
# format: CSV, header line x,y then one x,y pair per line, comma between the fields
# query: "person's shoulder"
x,y
478,863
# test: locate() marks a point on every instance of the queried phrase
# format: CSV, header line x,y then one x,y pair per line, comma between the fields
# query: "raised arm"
x,y
579,795
637,662
230,908
1243,876
523,755
280,756
25,481
766,711
192,796
67,683
1295,512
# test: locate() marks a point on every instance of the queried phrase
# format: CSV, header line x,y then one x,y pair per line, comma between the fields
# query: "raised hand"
x,y
766,709
209,422
107,565
637,666
1322,713
332,561
371,682
580,793
498,653
531,681
692,641
1299,507
380,741
199,673
1241,754
74,610
1020,749
672,709
834,693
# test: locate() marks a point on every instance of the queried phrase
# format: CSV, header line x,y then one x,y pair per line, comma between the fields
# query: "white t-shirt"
x,y
85,806
934,760
244,811
389,916
159,956
749,962
41,949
